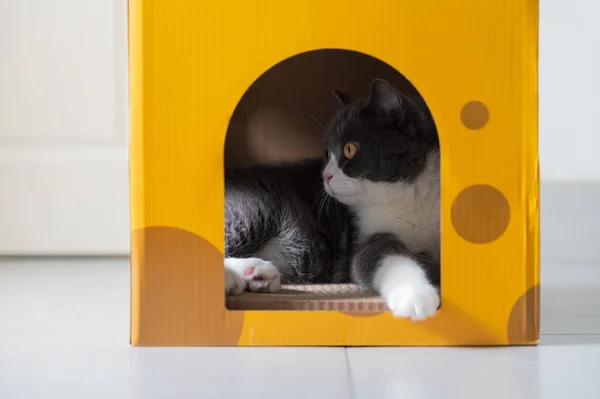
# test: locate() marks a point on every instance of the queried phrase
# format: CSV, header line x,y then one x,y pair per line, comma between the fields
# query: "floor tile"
x,y
548,372
240,372
43,370
65,331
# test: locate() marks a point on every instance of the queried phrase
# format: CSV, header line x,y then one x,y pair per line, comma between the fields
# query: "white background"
x,y
64,128
569,79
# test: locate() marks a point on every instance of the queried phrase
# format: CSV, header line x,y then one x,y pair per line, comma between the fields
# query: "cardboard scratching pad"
x,y
331,297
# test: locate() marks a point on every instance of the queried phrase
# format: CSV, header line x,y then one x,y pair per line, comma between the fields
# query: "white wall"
x,y
64,127
569,79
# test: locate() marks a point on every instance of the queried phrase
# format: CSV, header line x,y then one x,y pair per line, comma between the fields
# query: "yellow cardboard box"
x,y
475,64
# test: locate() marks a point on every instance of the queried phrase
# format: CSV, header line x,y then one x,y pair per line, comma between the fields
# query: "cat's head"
x,y
382,139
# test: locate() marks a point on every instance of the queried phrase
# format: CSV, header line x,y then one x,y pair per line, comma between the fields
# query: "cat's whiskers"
x,y
324,206
322,203
320,190
315,123
325,120
413,226
320,198
327,199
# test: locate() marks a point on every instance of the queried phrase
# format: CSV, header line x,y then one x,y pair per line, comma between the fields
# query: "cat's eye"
x,y
328,155
350,150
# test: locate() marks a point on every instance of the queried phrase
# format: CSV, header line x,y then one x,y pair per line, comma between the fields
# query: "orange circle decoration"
x,y
480,214
524,321
172,302
474,115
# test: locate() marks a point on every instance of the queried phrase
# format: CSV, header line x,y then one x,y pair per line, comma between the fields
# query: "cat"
x,y
368,212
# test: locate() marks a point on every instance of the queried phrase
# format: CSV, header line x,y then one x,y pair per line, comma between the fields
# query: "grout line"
x,y
583,334
351,389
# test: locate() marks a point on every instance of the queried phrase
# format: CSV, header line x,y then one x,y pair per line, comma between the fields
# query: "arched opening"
x,y
281,117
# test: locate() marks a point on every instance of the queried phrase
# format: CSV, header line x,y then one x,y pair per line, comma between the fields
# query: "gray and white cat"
x,y
368,213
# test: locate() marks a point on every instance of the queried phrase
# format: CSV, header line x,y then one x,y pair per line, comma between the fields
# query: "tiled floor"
x,y
64,327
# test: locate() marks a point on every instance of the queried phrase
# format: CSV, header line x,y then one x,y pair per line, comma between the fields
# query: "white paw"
x,y
258,275
234,284
404,285
263,277
416,300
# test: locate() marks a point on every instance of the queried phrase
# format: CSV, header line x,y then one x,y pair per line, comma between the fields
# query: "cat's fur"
x,y
376,222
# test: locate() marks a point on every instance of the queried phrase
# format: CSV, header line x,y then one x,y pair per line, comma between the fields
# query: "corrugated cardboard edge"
x,y
526,311
135,59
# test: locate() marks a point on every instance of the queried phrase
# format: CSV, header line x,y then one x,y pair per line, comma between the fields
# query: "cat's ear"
x,y
384,97
342,98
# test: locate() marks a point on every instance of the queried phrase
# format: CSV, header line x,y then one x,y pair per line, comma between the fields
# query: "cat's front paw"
x,y
416,301
257,275
263,277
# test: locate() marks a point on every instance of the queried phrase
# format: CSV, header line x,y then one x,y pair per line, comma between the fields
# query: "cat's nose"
x,y
327,176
